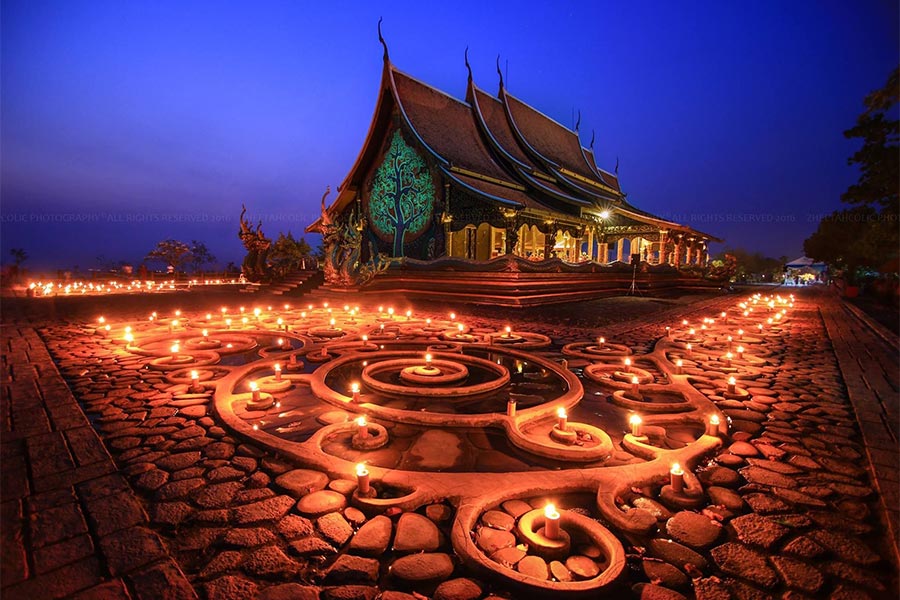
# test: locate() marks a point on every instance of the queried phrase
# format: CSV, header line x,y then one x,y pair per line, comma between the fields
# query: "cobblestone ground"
x,y
142,495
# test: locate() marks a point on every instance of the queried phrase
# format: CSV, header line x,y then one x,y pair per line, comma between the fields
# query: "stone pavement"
x,y
71,526
794,512
867,354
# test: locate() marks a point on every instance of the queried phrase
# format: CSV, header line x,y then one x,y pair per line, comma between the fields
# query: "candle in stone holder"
x,y
712,426
362,427
679,366
740,352
637,425
732,382
354,389
551,522
563,418
331,323
728,357
174,350
668,331
676,478
507,331
601,341
277,368
428,361
511,408
627,363
362,479
195,379
634,385
687,347
254,391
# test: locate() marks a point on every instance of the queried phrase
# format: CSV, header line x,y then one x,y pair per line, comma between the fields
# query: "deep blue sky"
x,y
124,123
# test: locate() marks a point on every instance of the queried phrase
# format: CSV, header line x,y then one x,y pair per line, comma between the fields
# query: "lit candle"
x,y
601,341
280,342
728,357
740,352
331,322
730,340
254,391
689,351
365,339
244,321
760,327
627,363
277,372
428,360
362,479
668,331
408,315
731,384
740,333
391,312
173,325
227,323
637,425
208,316
362,428
677,478
563,418
174,350
684,322
724,315
511,408
634,385
452,316
205,335
354,389
679,366
280,323
712,427
507,331
195,379
692,331
551,522
129,338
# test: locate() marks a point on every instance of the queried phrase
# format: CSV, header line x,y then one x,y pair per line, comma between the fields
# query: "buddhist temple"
x,y
487,185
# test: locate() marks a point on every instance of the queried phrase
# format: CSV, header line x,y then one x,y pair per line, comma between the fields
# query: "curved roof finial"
x,y
381,39
499,72
592,141
617,166
468,67
578,122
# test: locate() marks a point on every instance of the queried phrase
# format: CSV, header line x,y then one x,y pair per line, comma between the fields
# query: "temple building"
x,y
440,178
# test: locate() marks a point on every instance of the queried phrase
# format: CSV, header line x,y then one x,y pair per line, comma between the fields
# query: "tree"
x,y
172,253
867,235
19,256
402,198
200,255
879,157
288,254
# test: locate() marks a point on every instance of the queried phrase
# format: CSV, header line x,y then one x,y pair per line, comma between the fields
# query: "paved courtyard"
x,y
125,477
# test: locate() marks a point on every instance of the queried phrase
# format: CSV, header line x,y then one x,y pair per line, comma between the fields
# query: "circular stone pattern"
x,y
458,364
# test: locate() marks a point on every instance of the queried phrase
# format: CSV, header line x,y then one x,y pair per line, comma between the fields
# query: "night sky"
x,y
124,123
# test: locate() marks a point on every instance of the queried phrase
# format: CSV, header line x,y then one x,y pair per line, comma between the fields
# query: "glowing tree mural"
x,y
402,197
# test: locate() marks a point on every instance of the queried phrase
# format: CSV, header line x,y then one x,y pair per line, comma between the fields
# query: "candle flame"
x,y
732,380
635,420
354,387
714,420
194,375
676,469
561,412
361,470
361,421
550,511
253,386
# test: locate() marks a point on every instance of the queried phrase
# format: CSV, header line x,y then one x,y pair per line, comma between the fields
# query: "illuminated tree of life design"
x,y
402,198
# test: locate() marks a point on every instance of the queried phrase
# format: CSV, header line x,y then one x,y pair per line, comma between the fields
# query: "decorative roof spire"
x,y
578,122
468,67
381,39
617,166
592,141
500,73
